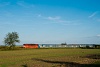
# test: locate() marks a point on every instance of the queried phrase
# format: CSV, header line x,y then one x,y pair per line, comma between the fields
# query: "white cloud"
x,y
24,4
49,17
98,35
93,14
53,18
95,36
39,15
58,20
4,4
74,22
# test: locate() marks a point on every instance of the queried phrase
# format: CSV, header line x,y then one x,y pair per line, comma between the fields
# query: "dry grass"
x,y
48,58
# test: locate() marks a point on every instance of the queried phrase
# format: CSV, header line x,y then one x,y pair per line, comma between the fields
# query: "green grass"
x,y
46,57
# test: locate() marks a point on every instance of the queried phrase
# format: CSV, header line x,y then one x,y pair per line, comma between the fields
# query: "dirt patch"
x,y
93,56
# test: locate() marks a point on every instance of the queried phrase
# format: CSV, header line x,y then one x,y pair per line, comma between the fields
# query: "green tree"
x,y
11,39
64,43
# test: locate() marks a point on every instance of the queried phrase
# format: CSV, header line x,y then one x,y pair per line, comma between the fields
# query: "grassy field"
x,y
49,58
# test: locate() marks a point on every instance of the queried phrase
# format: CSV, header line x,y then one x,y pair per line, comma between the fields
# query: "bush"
x,y
4,48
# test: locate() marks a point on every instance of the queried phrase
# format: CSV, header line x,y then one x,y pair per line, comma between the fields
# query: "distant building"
x,y
60,45
96,46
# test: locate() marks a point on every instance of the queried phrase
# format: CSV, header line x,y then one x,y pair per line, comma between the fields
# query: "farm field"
x,y
50,58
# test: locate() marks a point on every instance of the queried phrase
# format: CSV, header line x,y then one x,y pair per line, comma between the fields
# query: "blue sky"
x,y
51,21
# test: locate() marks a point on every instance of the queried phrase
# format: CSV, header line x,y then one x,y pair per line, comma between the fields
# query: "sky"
x,y
51,21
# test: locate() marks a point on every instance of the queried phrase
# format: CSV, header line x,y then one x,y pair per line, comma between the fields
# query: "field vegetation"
x,y
61,57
